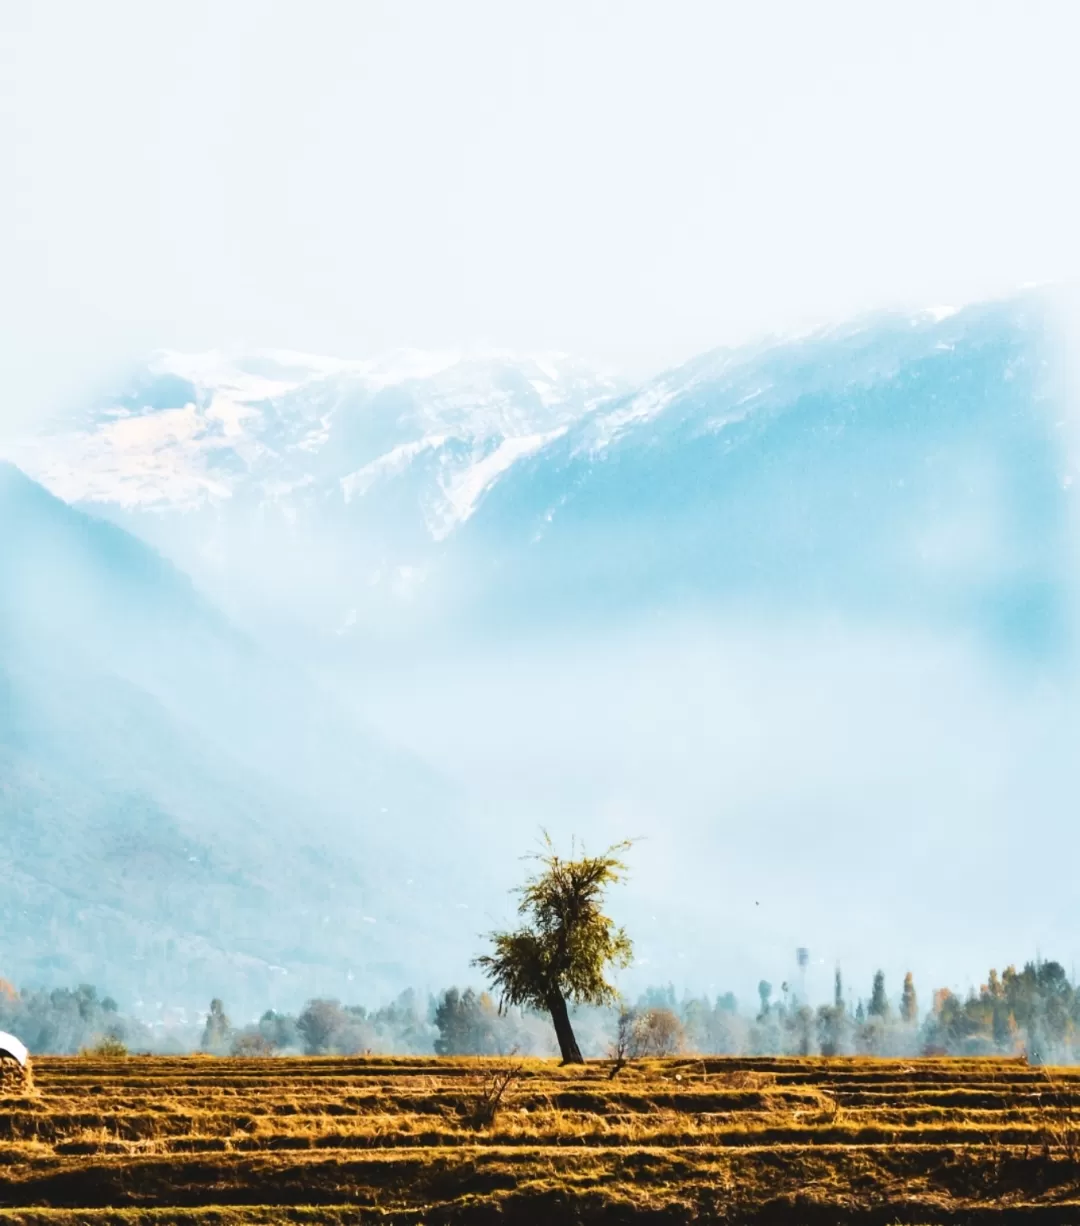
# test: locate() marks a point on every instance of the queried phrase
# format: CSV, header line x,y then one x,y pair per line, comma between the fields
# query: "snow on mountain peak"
x,y
355,473
191,430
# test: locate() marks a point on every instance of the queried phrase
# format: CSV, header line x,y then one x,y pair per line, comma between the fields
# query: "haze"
x,y
628,182
803,615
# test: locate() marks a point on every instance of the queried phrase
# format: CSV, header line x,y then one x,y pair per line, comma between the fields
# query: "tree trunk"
x,y
564,1032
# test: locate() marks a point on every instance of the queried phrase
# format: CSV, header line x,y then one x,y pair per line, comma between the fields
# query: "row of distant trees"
x,y
1034,1010
552,976
469,1023
65,1020
453,1023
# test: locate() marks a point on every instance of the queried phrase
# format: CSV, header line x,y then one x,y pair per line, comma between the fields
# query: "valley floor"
x,y
406,1141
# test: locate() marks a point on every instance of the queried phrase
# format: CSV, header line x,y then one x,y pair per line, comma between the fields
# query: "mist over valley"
x,y
299,654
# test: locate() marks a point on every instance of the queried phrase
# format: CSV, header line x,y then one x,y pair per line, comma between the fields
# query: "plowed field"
x,y
403,1140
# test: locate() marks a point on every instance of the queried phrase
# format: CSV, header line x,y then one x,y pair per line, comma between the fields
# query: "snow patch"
x,y
391,464
463,491
643,407
263,424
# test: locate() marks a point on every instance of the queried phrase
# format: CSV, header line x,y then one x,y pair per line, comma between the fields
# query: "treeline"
x,y
68,1020
1033,1011
454,1023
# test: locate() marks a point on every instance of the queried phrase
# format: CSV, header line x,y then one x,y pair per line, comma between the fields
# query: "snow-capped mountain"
x,y
899,460
192,430
904,466
844,565
216,458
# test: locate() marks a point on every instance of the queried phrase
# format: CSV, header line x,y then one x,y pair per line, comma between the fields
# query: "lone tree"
x,y
566,944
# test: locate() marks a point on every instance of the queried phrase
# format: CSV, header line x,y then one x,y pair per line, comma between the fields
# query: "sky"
x,y
630,182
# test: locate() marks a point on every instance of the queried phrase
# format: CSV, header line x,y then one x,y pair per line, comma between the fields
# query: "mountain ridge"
x,y
368,481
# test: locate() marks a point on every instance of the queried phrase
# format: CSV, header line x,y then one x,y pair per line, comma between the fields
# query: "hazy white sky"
x,y
630,181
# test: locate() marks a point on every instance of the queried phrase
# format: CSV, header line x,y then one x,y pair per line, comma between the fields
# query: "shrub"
x,y
252,1042
646,1032
657,1032
108,1047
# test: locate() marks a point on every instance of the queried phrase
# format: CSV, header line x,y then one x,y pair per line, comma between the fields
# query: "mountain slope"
x,y
178,812
230,463
904,462
912,468
818,593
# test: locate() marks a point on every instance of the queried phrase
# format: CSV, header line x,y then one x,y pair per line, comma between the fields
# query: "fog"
x,y
800,619
818,658
619,182
884,798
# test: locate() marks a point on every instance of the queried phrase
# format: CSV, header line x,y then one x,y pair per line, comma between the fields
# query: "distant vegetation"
x,y
561,953
66,1020
1034,1011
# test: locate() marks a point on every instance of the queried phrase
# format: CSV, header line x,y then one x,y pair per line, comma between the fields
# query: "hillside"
x,y
182,814
906,469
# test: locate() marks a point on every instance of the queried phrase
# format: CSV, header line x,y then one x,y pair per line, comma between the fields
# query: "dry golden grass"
x,y
406,1140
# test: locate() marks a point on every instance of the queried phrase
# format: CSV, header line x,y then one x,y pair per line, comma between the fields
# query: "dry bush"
x,y
644,1034
659,1032
108,1047
492,1092
251,1043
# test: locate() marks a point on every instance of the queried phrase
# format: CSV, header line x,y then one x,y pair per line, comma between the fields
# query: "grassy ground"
x,y
411,1141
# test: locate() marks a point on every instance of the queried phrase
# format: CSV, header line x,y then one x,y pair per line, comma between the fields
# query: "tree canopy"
x,y
563,951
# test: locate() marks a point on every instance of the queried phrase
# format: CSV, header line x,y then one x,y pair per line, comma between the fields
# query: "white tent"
x,y
10,1046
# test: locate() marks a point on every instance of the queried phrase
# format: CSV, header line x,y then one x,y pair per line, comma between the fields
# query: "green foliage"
x,y
834,1026
251,1042
1035,1011
565,948
327,1027
658,998
568,942
280,1031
